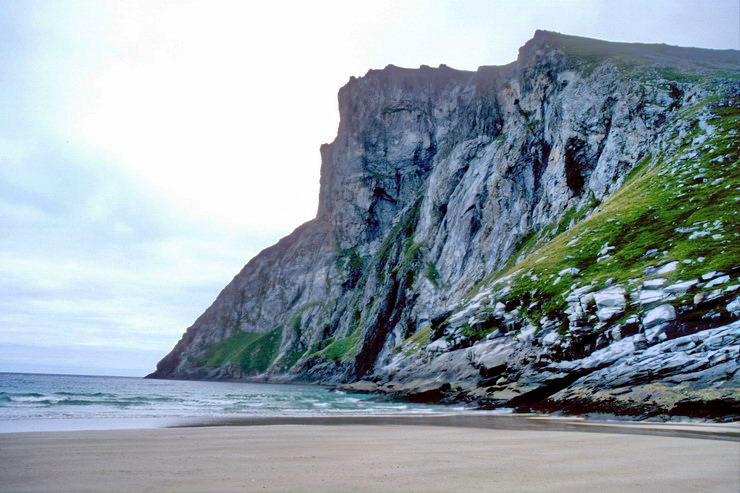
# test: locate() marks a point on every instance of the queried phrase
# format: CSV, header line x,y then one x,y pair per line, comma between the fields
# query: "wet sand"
x,y
373,455
531,422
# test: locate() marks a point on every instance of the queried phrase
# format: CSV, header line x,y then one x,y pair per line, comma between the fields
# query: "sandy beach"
x,y
376,458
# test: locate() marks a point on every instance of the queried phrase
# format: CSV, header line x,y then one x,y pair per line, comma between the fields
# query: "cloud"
x,y
90,260
110,275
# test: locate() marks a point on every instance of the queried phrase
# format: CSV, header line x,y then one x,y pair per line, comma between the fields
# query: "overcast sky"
x,y
149,149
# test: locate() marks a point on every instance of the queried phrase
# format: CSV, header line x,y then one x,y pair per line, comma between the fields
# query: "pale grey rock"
x,y
681,288
734,306
610,297
577,293
492,355
656,333
440,345
708,296
652,296
717,281
654,283
659,315
587,299
699,234
606,314
606,249
554,338
680,359
610,302
527,334
667,268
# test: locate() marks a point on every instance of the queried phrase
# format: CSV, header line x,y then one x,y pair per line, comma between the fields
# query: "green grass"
x,y
416,341
671,73
478,332
646,62
290,358
317,346
575,215
402,231
254,353
410,259
343,349
432,274
352,264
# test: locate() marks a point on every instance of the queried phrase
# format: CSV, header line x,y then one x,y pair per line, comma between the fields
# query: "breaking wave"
x,y
26,396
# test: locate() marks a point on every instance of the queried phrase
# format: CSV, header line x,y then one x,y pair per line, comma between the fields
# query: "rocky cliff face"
x,y
557,233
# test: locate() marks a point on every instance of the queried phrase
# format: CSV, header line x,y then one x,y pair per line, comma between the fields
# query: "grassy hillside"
x,y
682,207
676,63
252,352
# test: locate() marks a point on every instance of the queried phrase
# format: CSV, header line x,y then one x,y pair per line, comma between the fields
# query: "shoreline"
x,y
515,422
411,456
727,431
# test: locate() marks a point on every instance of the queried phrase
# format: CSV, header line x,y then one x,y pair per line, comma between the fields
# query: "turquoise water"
x,y
81,399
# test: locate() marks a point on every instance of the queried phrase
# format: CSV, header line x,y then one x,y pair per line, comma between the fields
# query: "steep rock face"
x,y
422,274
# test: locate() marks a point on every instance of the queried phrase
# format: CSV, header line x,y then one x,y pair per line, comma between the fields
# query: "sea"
x,y
38,402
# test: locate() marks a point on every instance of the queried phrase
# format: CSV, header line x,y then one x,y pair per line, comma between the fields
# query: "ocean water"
x,y
30,402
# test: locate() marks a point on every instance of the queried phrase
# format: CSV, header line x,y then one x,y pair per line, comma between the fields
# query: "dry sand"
x,y
363,458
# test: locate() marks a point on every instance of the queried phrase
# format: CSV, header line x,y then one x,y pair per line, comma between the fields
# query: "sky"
x,y
149,149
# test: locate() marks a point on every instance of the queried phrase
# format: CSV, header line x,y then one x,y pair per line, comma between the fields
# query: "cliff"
x,y
557,233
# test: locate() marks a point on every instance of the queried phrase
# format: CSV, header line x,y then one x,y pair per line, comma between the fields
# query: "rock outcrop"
x,y
557,233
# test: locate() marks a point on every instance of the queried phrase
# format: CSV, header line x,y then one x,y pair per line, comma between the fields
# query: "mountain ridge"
x,y
441,184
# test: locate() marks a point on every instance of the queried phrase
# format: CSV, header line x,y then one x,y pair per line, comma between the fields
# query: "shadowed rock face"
x,y
452,206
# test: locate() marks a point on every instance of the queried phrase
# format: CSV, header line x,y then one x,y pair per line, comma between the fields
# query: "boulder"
x,y
610,302
681,288
710,275
717,281
606,314
610,297
655,283
663,269
734,307
438,346
659,315
652,296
